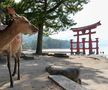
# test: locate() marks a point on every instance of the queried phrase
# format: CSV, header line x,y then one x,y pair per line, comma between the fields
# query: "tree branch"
x,y
39,1
45,1
55,7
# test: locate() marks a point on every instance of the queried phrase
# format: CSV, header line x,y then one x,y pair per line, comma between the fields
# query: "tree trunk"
x,y
39,40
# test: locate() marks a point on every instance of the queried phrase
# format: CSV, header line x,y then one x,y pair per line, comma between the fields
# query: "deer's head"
x,y
22,23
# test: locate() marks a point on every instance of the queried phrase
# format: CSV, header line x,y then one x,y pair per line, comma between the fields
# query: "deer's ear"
x,y
11,11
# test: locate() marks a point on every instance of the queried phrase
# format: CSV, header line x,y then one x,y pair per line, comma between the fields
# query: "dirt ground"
x,y
94,73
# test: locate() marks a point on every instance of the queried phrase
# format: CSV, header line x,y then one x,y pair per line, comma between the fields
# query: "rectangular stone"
x,y
66,83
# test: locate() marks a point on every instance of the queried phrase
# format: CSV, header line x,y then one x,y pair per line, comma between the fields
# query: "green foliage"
x,y
4,17
7,3
52,14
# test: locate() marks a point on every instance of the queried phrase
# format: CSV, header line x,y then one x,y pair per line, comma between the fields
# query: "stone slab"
x,y
66,83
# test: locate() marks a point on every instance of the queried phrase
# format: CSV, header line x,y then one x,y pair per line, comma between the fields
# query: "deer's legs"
x,y
15,67
18,68
8,65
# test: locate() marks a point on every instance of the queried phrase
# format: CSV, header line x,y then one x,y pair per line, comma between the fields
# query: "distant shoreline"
x,y
55,51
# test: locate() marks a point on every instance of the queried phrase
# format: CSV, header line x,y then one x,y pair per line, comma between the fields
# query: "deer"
x,y
11,41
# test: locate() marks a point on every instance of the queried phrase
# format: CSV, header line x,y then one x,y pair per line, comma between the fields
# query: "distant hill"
x,y
29,42
29,38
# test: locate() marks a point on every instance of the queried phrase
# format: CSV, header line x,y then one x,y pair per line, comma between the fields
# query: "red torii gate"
x,y
83,31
